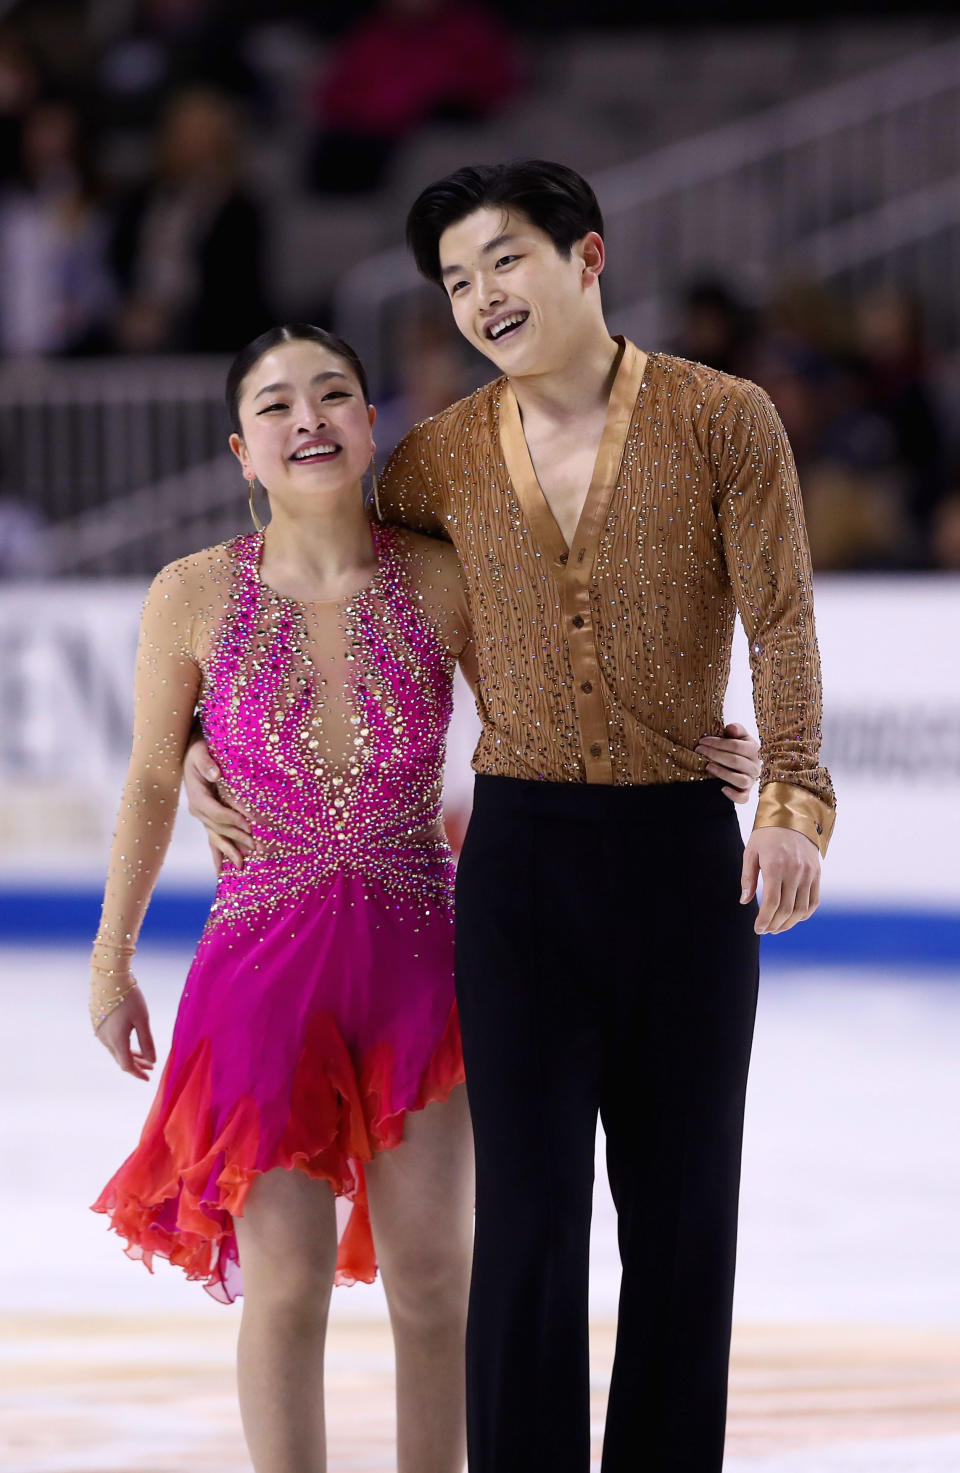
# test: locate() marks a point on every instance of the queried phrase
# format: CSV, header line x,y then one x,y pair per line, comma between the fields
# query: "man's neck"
x,y
575,389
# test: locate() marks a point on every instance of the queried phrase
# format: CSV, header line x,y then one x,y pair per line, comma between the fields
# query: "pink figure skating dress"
x,y
320,1007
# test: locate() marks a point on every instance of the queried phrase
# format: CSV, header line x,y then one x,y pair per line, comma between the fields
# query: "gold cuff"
x,y
785,806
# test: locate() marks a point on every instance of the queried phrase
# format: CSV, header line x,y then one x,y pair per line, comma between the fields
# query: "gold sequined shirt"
x,y
606,661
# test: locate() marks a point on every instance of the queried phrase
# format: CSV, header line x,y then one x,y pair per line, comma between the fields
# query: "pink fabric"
x,y
320,1007
393,71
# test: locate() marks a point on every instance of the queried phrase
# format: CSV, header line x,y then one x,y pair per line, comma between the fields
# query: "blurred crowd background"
x,y
782,191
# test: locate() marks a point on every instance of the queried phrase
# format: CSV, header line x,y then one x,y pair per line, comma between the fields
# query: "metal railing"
x,y
77,434
120,457
163,520
845,184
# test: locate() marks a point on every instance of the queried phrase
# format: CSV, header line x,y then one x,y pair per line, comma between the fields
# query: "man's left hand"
x,y
790,865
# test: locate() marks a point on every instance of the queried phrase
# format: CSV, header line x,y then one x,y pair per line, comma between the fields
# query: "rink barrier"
x,y
891,738
834,937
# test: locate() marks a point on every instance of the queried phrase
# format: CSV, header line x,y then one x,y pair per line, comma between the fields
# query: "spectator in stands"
x,y
945,530
795,382
716,328
19,90
806,320
409,63
430,372
809,359
856,519
188,245
169,45
56,289
891,343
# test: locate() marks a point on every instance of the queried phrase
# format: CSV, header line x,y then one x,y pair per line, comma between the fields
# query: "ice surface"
x,y
851,1197
851,1179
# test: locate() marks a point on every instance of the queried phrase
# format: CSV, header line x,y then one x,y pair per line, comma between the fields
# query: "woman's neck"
x,y
318,554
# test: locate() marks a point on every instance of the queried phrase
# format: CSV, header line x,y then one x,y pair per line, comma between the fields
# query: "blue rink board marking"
x,y
56,916
834,936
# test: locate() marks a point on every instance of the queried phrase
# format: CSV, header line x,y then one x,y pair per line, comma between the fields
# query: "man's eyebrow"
x,y
491,245
318,378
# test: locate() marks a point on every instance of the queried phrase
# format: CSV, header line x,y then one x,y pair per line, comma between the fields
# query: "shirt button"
x,y
577,621
587,687
596,750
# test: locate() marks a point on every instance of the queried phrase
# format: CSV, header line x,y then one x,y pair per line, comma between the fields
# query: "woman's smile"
x,y
313,451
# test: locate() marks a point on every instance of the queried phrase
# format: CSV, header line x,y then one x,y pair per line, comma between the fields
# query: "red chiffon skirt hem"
x,y
176,1196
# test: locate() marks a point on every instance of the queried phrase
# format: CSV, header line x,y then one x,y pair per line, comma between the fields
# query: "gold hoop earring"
x,y
376,488
253,510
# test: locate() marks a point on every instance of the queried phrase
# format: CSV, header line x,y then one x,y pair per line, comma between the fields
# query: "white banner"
x,y
891,661
890,648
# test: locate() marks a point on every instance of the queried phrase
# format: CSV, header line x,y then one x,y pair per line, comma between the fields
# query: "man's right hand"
x,y
228,831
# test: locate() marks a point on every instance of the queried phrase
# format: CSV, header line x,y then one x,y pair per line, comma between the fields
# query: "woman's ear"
x,y
240,451
371,415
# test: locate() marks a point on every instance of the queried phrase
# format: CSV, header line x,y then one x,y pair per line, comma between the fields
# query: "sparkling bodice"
x,y
329,722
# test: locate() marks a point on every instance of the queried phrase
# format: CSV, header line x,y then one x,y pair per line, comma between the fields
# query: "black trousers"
x,y
604,965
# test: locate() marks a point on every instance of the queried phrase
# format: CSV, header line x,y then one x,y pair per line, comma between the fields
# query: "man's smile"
x,y
507,325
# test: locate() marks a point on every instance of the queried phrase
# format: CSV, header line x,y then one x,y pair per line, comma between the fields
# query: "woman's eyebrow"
x,y
318,378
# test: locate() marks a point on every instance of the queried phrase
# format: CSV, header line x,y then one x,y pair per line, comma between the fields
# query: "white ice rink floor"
x,y
847,1354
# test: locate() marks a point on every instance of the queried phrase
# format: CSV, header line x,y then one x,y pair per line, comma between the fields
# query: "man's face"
x,y
513,295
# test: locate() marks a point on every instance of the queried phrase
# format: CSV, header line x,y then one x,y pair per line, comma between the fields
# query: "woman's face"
x,y
306,427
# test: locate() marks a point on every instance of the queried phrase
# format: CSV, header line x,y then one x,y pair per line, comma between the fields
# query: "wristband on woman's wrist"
x,y
110,978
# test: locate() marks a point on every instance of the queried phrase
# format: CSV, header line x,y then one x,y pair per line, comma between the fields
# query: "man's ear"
x,y
240,451
593,256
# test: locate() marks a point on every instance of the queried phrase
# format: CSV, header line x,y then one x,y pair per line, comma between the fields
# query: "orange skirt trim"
x,y
177,1194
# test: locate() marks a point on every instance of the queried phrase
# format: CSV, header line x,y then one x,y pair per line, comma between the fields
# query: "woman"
x,y
316,1051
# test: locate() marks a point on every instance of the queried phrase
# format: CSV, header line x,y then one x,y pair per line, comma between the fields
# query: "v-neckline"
x,y
627,383
379,540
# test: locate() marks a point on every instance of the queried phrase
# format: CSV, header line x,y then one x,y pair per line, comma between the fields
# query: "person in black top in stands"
x,y
188,246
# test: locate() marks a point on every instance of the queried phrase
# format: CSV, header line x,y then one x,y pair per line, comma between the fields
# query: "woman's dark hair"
x,y
554,198
291,332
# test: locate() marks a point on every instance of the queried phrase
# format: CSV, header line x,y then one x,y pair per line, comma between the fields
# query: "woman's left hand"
x,y
734,758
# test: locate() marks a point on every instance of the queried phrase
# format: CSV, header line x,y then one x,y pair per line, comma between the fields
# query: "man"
x,y
611,510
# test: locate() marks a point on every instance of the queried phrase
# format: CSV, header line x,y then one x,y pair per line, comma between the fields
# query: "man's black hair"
x,y
554,198
290,332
